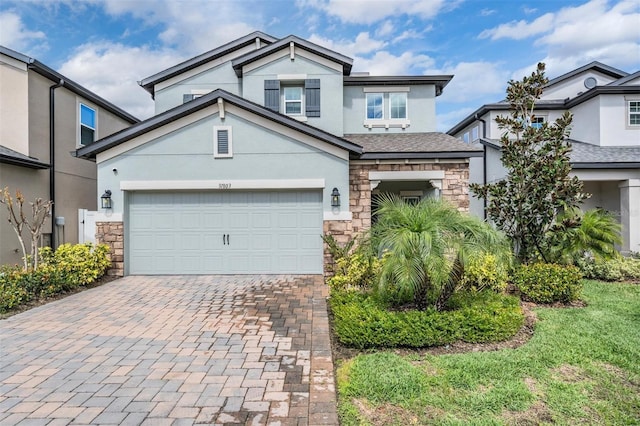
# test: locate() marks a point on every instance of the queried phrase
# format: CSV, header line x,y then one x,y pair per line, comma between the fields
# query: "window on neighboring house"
x,y
634,113
537,121
465,137
397,105
293,100
374,106
474,134
87,125
222,142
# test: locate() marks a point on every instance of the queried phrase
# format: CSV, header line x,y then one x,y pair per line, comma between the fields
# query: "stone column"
x,y
112,234
630,215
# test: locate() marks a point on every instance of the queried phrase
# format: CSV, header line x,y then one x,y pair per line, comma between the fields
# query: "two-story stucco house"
x,y
44,118
260,146
605,136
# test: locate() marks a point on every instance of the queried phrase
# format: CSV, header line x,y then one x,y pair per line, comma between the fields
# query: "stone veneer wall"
x,y
112,234
455,189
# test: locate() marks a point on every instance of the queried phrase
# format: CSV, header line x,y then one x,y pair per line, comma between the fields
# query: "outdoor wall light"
x,y
335,198
106,199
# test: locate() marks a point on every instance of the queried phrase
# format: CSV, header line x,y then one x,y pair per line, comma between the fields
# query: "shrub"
x,y
616,269
357,270
361,321
485,272
548,282
68,267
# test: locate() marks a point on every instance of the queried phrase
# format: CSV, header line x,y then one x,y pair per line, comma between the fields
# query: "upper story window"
x,y
634,113
293,100
374,106
537,121
397,105
87,125
299,97
474,134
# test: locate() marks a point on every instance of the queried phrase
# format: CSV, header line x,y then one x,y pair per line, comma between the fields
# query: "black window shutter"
x,y
312,97
223,141
186,98
272,95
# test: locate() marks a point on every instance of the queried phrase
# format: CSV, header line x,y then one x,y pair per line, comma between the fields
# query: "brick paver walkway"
x,y
173,351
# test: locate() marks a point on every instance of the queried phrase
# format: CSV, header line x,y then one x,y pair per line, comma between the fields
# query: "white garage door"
x,y
225,232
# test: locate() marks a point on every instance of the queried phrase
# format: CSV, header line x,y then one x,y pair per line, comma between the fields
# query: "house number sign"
x,y
224,186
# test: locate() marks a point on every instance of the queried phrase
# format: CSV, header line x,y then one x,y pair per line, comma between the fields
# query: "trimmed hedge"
x,y
360,321
69,267
548,282
616,269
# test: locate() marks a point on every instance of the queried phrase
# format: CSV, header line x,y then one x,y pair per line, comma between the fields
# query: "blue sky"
x,y
109,45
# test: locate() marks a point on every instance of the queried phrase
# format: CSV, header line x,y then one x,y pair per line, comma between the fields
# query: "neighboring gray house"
x,y
605,103
44,118
257,148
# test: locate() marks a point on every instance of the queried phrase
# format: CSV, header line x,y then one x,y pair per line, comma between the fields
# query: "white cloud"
x,y
113,70
487,12
192,30
368,12
385,29
473,81
13,33
519,30
362,44
385,63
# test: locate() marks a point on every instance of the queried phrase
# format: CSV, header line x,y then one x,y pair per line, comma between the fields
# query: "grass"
x,y
581,367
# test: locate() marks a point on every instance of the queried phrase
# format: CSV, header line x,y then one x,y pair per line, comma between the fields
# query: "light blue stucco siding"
x,y
330,118
421,110
258,154
220,77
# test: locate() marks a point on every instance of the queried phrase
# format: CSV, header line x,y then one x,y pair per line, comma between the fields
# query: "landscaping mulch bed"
x,y
43,301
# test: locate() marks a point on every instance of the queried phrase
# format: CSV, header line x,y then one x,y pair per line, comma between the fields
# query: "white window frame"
x,y
80,125
366,105
406,105
285,101
216,154
475,134
542,118
633,113
466,137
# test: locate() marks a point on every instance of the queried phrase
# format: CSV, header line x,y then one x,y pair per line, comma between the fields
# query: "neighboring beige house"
x,y
44,118
605,133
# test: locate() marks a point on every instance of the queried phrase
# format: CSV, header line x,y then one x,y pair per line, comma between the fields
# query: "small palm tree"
x,y
428,246
576,234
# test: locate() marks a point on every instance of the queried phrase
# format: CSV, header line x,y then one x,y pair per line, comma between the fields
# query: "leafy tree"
x,y
537,187
40,211
428,246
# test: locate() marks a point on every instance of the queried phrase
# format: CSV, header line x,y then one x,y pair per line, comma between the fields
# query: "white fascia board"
x,y
407,175
156,133
288,132
284,52
605,174
222,185
204,67
385,89
7,60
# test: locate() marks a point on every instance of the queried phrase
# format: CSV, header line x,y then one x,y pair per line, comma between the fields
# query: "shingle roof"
x,y
9,156
588,156
412,145
585,155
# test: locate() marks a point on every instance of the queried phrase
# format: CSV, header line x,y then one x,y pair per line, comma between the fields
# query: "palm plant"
x,y
428,246
576,234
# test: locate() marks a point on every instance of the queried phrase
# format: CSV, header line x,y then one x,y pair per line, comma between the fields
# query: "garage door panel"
x,y
182,233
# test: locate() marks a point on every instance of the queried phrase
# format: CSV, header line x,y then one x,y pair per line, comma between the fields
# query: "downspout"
x,y
484,163
52,157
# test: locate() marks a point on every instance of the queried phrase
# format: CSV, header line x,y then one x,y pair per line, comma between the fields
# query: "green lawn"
x,y
581,367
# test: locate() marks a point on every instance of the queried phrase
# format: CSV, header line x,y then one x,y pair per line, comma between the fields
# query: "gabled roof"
x,y
412,145
149,83
625,80
79,90
588,156
440,81
345,61
593,66
90,151
9,156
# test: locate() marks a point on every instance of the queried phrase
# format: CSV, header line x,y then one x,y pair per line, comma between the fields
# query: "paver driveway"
x,y
173,350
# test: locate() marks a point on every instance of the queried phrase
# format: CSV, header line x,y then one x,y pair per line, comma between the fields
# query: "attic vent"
x,y
590,82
